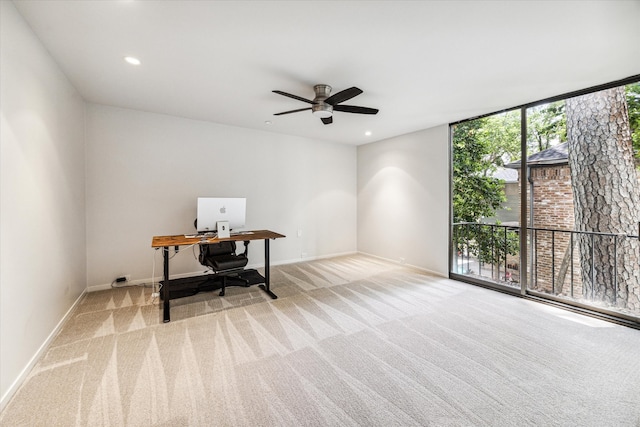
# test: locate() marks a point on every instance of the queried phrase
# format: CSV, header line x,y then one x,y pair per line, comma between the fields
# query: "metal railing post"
x,y
593,266
505,247
535,252
615,269
493,252
553,262
571,263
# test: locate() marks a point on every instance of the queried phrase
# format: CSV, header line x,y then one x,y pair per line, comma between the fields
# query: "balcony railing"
x,y
601,268
482,250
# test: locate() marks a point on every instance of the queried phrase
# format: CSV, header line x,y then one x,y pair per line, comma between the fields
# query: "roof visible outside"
x,y
507,175
555,155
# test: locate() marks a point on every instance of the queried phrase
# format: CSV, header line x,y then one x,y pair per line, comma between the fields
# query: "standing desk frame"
x,y
165,242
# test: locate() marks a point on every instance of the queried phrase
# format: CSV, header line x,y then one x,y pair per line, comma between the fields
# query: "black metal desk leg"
x,y
266,287
165,286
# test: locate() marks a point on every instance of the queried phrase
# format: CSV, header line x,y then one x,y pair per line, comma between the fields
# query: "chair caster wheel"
x,y
221,293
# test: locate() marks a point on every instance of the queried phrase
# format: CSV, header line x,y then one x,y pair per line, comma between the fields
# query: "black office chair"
x,y
222,259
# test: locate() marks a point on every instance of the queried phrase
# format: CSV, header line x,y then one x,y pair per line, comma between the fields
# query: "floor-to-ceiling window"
x,y
485,199
546,200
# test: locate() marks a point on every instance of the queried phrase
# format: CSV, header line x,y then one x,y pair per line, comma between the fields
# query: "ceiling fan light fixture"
x,y
322,110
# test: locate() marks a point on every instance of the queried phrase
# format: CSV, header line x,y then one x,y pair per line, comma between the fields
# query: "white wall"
x,y
42,223
403,199
145,172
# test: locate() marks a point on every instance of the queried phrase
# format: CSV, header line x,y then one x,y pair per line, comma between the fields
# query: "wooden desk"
x,y
176,241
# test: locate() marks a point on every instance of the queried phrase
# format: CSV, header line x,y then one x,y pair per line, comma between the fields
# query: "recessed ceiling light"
x,y
368,133
267,122
131,60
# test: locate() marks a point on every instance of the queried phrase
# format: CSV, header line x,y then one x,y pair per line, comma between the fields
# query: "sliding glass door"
x,y
546,200
585,209
485,199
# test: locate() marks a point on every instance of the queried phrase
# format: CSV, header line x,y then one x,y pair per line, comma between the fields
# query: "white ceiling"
x,y
422,63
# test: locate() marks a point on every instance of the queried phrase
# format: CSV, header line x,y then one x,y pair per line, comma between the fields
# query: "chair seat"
x,y
221,257
226,262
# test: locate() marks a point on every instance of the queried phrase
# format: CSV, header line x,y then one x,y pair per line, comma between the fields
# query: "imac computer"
x,y
214,209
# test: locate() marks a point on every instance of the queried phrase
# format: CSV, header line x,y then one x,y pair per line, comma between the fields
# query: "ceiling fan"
x,y
324,104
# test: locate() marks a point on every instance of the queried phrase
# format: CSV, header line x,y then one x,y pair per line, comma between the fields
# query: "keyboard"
x,y
209,234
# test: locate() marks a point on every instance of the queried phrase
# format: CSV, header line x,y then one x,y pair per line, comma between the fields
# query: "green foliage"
x,y
479,146
500,134
488,242
476,194
633,103
546,126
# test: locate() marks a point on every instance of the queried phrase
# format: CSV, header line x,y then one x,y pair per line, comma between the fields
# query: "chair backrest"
x,y
222,257
217,249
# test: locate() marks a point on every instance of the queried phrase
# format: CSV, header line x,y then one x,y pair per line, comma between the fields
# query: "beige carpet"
x,y
351,341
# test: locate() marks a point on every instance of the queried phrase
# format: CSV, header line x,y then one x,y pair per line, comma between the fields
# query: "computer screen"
x,y
214,209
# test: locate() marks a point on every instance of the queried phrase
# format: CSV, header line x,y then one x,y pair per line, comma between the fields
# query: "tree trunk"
x,y
606,196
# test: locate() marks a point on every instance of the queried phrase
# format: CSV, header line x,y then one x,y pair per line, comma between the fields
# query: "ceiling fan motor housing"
x,y
320,108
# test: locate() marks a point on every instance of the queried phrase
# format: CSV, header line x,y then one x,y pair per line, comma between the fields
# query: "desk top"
x,y
181,239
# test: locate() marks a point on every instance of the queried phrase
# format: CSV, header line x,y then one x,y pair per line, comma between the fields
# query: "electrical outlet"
x,y
123,278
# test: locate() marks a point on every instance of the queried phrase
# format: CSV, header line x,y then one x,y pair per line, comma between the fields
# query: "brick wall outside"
x,y
550,253
553,209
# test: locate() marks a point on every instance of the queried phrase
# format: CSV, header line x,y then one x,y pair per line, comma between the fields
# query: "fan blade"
x,y
279,92
327,120
292,111
355,109
342,96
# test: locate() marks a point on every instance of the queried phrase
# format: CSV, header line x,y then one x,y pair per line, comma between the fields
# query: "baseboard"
x,y
311,258
404,264
150,281
139,282
37,356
